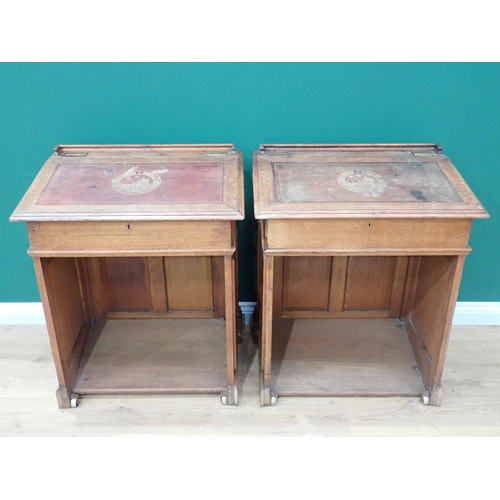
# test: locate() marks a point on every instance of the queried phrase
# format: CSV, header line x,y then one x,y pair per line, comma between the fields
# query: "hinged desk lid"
x,y
334,181
135,182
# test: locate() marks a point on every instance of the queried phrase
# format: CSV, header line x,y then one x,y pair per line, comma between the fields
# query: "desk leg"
x,y
266,397
456,268
231,337
256,319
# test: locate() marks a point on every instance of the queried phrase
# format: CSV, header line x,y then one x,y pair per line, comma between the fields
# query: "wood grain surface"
x,y
336,287
155,356
128,233
471,401
343,357
361,236
117,182
329,181
129,237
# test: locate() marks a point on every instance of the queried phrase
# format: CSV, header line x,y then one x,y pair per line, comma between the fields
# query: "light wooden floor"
x,y
471,402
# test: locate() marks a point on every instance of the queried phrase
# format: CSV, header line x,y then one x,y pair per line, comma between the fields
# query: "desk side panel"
x,y
432,290
64,288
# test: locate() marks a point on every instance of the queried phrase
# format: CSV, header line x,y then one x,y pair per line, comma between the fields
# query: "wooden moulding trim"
x,y
231,214
203,390
153,315
349,393
205,252
363,147
59,148
301,314
241,187
289,252
367,214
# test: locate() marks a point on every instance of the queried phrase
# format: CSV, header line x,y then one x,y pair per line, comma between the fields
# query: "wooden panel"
x,y
324,287
435,292
218,287
85,289
409,289
278,287
143,237
369,283
61,276
51,319
67,307
398,286
337,284
156,356
98,294
430,300
343,357
157,285
306,283
189,283
127,284
357,236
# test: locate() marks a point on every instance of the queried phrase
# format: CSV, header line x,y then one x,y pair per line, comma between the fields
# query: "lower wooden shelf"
x,y
349,357
154,356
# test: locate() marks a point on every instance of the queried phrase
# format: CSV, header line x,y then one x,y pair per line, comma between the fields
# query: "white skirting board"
x,y
466,313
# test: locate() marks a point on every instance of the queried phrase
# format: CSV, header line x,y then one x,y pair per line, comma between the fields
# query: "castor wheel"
x,y
425,397
74,400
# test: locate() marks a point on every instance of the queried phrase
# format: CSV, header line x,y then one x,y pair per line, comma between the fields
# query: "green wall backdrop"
x,y
456,105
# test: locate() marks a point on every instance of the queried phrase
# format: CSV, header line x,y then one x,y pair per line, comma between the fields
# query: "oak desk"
x,y
135,254
361,249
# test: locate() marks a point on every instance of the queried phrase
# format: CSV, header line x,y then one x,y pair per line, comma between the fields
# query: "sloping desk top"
x,y
136,182
377,181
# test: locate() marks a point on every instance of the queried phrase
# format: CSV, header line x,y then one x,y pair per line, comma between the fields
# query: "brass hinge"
x,y
424,153
217,153
231,150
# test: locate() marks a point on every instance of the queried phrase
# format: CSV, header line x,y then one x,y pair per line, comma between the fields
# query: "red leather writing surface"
x,y
150,184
